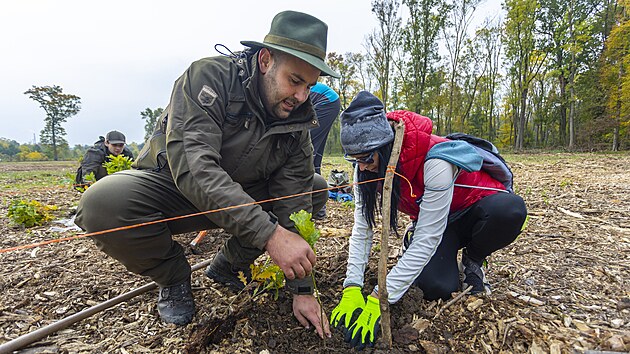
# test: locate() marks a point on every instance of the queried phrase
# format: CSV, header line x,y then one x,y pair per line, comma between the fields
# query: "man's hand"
x,y
364,330
306,309
291,253
350,306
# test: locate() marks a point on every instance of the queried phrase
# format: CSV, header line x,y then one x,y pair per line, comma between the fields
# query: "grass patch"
x,y
25,176
338,163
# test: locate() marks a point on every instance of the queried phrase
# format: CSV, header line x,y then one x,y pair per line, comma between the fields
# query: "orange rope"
x,y
58,240
392,169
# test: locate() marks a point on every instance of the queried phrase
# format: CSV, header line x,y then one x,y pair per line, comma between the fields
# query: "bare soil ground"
x,y
562,287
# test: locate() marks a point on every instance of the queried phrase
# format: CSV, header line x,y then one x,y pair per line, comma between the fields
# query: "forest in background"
x,y
549,75
552,74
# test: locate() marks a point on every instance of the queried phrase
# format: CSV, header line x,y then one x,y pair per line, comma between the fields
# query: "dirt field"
x,y
562,287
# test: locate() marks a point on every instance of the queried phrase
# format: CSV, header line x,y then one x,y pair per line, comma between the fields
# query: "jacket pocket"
x,y
237,114
153,153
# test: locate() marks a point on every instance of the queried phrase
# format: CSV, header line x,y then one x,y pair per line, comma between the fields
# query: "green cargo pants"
x,y
137,196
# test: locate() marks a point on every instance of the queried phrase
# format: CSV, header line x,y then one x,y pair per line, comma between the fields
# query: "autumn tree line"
x,y
546,74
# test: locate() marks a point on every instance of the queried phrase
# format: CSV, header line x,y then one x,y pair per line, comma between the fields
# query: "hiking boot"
x,y
222,271
321,214
408,236
474,276
176,304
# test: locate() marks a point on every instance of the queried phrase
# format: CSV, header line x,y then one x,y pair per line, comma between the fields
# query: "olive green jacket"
x,y
214,139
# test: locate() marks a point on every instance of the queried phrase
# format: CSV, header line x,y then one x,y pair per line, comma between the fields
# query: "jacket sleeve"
x,y
91,162
360,243
193,145
295,176
439,177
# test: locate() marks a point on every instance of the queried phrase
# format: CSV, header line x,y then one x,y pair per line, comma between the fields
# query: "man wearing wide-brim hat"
x,y
236,131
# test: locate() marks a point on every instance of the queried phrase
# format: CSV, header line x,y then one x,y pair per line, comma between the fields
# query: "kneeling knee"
x,y
439,289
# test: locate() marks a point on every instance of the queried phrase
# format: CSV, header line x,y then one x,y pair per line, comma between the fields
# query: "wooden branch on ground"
x,y
452,301
399,129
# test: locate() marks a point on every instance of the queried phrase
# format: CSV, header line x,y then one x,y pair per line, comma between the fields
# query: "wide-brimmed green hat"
x,y
300,35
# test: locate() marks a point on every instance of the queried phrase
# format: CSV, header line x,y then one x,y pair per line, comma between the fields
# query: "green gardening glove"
x,y
364,330
348,309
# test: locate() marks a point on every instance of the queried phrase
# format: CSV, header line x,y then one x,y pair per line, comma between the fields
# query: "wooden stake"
x,y
399,129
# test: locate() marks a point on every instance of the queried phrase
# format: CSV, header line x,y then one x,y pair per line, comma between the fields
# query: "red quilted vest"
x,y
417,141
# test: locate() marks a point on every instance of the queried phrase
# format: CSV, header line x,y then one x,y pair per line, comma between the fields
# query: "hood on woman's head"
x,y
364,126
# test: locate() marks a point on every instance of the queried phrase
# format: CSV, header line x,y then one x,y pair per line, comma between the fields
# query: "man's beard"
x,y
270,97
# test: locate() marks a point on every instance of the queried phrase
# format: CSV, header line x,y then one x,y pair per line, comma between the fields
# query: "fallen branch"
x,y
570,213
452,301
526,299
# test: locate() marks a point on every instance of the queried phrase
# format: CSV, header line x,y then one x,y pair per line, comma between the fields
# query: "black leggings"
x,y
488,225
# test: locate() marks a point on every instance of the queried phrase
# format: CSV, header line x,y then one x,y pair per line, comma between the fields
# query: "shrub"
x,y
29,213
117,163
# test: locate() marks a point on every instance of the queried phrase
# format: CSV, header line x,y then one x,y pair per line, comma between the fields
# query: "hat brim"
x,y
311,59
116,142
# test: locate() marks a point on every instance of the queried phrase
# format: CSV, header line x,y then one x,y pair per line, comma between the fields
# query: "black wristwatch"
x,y
302,286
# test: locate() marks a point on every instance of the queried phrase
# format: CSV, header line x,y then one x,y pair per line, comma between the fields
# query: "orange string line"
x,y
392,169
58,240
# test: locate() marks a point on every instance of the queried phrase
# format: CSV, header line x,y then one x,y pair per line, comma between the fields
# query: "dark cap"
x,y
300,35
115,137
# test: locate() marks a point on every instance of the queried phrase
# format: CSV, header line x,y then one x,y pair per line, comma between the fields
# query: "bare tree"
x,y
455,35
382,41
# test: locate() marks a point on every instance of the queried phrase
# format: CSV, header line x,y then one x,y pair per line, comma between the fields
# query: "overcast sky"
x,y
121,57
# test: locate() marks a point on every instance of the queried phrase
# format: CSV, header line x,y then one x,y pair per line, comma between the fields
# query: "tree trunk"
x,y
572,69
615,146
54,139
571,119
562,129
520,133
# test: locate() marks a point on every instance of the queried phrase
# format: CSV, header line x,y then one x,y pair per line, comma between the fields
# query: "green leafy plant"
x,y
545,197
117,163
29,213
88,179
305,227
268,275
348,204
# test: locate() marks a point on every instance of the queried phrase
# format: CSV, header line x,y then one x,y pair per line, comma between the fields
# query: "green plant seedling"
x,y
29,213
305,227
117,163
349,204
268,275
89,179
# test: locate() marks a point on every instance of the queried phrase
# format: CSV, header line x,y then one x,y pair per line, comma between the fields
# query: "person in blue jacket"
x,y
327,106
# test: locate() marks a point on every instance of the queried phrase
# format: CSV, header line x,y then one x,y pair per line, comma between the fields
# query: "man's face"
x,y
285,82
114,149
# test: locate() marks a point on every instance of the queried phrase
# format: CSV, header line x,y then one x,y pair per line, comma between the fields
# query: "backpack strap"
x,y
457,152
493,163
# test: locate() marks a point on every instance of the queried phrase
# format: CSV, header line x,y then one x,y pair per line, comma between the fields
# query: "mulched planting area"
x,y
562,287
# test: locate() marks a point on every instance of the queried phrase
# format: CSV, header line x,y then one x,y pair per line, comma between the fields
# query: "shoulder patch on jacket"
x,y
207,96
